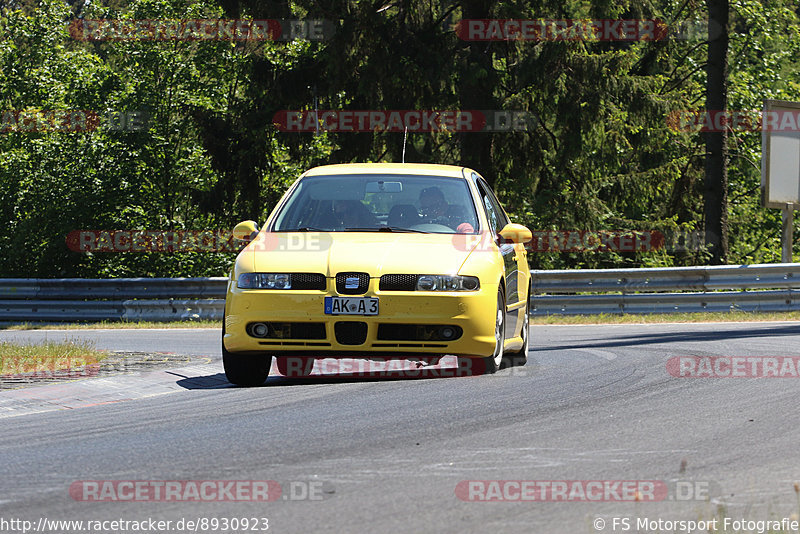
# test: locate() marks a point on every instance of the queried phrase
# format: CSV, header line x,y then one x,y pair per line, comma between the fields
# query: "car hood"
x,y
376,253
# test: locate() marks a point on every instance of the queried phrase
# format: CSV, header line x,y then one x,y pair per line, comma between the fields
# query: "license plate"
x,y
351,306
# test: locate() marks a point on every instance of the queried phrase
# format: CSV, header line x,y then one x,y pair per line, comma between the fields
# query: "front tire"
x,y
244,369
495,361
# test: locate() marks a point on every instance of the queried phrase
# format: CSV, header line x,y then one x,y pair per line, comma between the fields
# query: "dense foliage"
x,y
601,154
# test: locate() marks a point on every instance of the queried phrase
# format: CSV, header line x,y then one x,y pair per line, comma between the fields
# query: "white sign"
x,y
780,156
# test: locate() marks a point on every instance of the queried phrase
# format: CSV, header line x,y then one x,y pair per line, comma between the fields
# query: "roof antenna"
x,y
405,138
316,109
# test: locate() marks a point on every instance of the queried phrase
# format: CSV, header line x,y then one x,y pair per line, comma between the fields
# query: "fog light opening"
x,y
259,330
447,333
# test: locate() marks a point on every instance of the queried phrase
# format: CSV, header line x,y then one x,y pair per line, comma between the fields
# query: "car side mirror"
x,y
515,233
245,231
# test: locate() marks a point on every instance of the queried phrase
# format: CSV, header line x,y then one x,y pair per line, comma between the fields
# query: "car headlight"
x,y
438,282
264,281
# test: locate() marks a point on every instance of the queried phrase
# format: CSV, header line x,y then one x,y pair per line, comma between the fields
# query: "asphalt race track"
x,y
594,403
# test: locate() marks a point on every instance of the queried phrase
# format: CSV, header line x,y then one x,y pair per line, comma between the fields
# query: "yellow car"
x,y
379,261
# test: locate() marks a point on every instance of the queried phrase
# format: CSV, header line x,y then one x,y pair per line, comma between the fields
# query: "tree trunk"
x,y
476,82
716,164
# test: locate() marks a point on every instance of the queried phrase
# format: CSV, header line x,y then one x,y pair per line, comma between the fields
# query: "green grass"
x,y
18,358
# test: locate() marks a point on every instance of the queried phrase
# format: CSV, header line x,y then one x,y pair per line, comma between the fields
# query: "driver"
x,y
435,210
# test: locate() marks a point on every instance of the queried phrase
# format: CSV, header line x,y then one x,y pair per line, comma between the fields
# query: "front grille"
x,y
350,332
398,282
419,332
291,330
308,281
359,283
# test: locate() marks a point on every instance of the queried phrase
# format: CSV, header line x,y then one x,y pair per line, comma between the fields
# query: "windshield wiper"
x,y
304,229
384,229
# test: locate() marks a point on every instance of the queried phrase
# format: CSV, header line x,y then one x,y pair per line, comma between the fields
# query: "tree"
x,y
716,163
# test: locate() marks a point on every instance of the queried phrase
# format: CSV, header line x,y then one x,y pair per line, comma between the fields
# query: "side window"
x,y
494,212
490,213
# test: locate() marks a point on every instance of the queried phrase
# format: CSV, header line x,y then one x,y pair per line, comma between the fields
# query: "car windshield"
x,y
364,203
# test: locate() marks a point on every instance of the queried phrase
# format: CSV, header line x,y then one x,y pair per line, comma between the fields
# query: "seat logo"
x,y
351,282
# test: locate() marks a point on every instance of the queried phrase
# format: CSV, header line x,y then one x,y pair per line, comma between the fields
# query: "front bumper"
x,y
472,311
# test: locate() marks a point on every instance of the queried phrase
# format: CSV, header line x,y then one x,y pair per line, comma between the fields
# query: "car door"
x,y
497,220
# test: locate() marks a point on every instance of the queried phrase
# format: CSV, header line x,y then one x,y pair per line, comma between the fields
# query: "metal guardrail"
x,y
767,287
115,299
770,287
